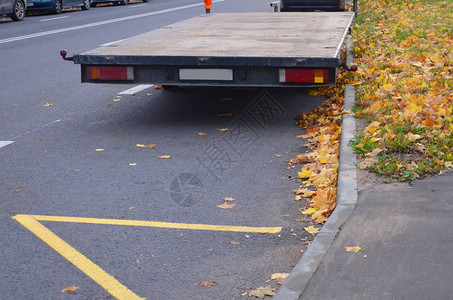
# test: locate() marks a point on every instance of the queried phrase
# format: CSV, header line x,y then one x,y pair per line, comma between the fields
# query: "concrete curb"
x,y
296,282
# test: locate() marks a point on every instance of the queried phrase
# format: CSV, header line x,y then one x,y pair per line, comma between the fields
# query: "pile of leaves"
x,y
404,87
320,164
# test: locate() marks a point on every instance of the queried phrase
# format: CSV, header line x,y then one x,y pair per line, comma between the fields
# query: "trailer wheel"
x,y
18,11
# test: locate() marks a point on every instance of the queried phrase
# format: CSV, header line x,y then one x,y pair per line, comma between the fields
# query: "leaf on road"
x,y
312,230
207,283
99,150
17,191
233,242
227,99
152,146
164,157
305,193
70,289
158,87
229,199
202,133
309,211
223,129
353,249
224,115
279,277
47,104
304,173
132,164
226,205
262,292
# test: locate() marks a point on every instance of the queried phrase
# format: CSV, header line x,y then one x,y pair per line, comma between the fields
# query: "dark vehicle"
x,y
120,2
56,6
15,9
311,5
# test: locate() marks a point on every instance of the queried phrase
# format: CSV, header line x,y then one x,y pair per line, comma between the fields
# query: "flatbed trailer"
x,y
227,49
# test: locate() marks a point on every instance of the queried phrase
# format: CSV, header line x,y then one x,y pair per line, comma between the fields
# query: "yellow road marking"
x,y
158,224
108,282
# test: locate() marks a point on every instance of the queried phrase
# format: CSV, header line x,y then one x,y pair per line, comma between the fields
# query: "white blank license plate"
x,y
206,74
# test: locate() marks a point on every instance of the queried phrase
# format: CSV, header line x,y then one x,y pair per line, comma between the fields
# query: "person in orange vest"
x,y
207,5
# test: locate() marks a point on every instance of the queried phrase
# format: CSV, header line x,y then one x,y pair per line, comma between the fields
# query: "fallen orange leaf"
x,y
164,157
226,205
71,289
207,283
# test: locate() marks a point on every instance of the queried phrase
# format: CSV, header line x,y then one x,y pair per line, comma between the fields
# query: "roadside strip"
x,y
105,280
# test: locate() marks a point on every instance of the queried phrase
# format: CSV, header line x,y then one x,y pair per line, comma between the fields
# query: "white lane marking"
x,y
136,89
5,143
57,18
163,11
108,44
45,125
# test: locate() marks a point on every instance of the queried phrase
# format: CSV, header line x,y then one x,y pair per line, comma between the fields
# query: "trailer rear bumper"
x,y
218,76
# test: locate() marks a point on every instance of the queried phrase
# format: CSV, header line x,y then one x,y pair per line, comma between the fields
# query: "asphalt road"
x,y
55,167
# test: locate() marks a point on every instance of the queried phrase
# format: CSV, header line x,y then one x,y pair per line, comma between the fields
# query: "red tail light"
x,y
109,73
304,76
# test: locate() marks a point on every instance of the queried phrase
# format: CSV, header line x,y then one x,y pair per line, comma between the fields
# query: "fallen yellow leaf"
x,y
262,292
223,129
312,230
353,249
99,150
164,157
304,173
309,211
132,164
47,104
